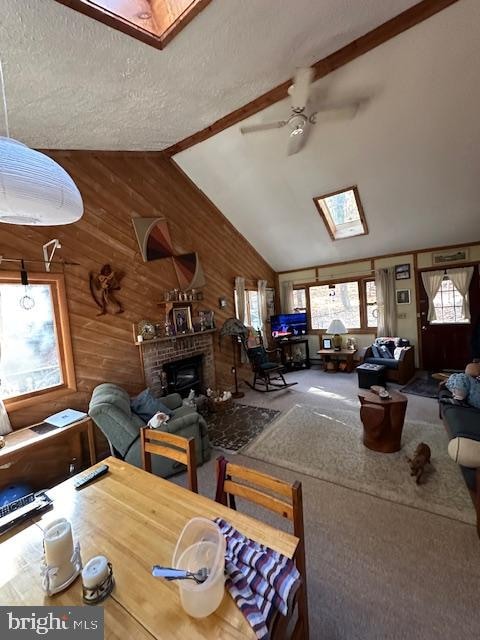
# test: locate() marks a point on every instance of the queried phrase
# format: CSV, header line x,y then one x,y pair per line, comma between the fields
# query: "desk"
x,y
343,354
134,518
22,444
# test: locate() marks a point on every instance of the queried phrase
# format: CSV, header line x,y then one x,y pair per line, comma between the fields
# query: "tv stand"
x,y
294,359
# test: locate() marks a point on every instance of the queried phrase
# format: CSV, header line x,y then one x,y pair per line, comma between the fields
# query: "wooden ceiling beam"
x,y
393,27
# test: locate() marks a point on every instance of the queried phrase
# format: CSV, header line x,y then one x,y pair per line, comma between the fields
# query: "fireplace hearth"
x,y
184,375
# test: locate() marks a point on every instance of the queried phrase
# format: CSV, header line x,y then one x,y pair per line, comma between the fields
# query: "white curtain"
x,y
461,278
387,311
432,281
240,291
262,307
287,297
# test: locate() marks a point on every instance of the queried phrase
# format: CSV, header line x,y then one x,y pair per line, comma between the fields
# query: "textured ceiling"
x,y
74,83
413,150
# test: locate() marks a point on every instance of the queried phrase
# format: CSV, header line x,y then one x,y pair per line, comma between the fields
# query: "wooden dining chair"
x,y
283,498
170,446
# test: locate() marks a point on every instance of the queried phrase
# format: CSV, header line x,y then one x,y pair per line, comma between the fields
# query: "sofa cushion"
x,y
385,351
376,351
390,363
145,405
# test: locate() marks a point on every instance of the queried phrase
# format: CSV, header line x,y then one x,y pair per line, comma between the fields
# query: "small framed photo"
x,y
444,257
402,271
182,320
207,319
403,296
327,343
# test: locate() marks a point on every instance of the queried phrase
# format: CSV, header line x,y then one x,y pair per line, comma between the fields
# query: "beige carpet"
x,y
327,445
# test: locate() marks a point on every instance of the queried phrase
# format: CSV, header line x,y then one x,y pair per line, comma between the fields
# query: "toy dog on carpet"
x,y
419,461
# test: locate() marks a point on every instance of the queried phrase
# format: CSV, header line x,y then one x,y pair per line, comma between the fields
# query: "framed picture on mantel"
x,y
182,320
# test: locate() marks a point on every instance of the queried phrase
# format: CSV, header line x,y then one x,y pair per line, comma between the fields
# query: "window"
x,y
448,304
35,356
342,213
371,303
154,23
299,300
341,301
252,313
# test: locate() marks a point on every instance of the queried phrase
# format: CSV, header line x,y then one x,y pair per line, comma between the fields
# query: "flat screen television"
x,y
288,325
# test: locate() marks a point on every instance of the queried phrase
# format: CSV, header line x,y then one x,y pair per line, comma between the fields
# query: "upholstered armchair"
x,y
111,412
400,366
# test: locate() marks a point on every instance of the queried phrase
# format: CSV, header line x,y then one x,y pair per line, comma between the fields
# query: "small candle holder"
x,y
49,574
98,593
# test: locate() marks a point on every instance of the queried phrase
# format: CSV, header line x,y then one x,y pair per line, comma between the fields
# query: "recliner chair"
x,y
111,412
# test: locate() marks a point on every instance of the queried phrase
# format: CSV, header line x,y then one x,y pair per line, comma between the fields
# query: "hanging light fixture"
x,y
34,189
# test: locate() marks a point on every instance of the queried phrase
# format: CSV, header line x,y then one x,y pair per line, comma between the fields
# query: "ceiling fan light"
x,y
34,189
297,131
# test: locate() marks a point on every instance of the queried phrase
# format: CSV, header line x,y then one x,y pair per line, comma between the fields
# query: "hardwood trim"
x,y
394,254
330,224
381,34
151,36
417,310
63,336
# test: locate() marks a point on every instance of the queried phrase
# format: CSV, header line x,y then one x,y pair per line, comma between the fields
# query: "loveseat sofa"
x,y
110,408
399,369
462,423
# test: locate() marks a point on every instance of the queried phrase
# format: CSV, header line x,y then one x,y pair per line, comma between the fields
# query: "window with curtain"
x,y
35,353
340,300
448,304
371,303
252,313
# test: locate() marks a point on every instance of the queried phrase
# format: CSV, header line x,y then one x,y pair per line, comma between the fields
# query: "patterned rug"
x,y
328,445
232,430
427,387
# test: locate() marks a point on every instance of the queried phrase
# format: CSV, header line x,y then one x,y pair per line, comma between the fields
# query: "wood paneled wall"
x,y
117,187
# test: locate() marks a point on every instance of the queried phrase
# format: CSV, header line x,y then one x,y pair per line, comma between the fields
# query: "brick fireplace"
x,y
161,351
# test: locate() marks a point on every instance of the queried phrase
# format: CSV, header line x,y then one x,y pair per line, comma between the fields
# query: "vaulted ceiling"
x,y
75,83
413,150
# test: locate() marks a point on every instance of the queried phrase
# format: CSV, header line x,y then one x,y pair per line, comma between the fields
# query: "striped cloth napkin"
x,y
260,580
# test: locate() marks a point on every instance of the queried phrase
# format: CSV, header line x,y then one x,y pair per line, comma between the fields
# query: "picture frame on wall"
x,y
182,320
402,271
444,257
403,296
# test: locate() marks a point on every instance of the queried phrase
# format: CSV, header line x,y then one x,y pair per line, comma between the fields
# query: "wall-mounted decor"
x,y
182,319
153,238
103,286
270,303
402,271
189,271
222,303
403,296
207,319
443,257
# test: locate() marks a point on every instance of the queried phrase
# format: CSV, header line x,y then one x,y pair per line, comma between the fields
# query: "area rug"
x,y
328,445
231,430
427,387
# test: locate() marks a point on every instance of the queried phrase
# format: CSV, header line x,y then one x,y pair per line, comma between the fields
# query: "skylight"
x,y
342,213
154,22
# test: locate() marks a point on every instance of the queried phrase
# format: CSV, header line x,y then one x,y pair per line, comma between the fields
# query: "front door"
x,y
446,344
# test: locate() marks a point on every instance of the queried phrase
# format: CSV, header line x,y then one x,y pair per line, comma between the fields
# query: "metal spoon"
x,y
169,573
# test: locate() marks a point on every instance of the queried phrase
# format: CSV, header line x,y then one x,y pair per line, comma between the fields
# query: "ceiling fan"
x,y
300,120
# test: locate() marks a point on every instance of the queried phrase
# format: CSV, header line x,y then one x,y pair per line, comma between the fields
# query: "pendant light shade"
x,y
34,189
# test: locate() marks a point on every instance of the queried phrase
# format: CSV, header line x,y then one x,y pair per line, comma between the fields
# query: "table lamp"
x,y
337,329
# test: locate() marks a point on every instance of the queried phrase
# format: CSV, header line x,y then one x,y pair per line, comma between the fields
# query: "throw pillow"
x,y
384,352
145,405
376,351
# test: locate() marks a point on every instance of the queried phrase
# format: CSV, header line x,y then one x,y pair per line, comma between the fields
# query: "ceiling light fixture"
x,y
34,189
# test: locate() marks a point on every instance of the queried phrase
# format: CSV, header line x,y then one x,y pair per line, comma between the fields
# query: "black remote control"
x,y
89,477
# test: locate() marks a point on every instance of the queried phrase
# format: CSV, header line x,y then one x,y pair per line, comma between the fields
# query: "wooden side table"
x,y
382,421
343,354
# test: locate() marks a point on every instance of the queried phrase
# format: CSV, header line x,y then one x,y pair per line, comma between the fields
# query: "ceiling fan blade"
x,y
297,139
301,88
263,127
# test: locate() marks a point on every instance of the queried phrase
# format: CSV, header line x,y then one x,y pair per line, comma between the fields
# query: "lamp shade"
x,y
337,327
34,189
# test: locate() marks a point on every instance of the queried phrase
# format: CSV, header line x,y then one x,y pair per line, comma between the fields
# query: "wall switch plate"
x,y
402,316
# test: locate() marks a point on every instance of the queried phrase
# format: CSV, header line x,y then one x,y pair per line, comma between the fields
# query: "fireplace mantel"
x,y
178,336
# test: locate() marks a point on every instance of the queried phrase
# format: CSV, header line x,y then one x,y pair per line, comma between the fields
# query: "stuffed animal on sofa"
x,y
465,387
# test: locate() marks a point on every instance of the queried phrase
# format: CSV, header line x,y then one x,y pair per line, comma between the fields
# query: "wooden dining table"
x,y
134,519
